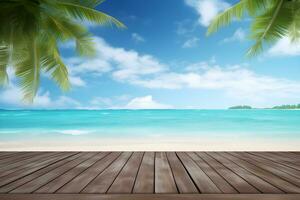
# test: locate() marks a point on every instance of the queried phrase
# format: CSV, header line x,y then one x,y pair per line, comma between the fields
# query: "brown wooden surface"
x,y
95,175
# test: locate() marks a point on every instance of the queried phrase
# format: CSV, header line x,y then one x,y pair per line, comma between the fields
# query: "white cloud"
x,y
207,9
145,102
190,43
76,81
12,95
238,36
238,83
131,67
95,65
285,47
125,64
137,38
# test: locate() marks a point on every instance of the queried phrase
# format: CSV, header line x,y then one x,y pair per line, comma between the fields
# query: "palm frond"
x,y
255,7
59,73
237,11
30,32
84,13
226,17
29,71
86,3
64,29
4,57
294,29
270,26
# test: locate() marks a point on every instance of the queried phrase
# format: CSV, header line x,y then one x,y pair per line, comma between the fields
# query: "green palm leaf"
x,y
31,31
59,72
294,29
270,26
273,19
236,11
4,56
84,13
29,71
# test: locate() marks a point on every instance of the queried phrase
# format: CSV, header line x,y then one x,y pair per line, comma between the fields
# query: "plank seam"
x,y
199,191
282,178
256,175
37,170
118,173
81,172
137,173
101,172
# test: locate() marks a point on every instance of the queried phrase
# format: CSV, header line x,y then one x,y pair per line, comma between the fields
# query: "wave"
x,y
74,132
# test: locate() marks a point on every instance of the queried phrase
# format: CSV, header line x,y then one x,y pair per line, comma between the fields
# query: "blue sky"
x,y
164,60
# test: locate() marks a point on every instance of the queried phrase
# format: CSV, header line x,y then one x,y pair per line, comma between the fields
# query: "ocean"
x,y
22,127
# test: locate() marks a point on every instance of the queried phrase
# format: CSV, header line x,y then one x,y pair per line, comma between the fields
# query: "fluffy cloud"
x,y
207,9
284,47
239,83
124,64
137,38
145,102
76,81
190,43
12,95
238,36
131,67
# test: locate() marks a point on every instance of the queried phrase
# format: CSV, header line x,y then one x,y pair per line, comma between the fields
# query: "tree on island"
x,y
272,20
296,106
31,31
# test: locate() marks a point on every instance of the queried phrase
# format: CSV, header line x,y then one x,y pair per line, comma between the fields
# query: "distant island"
x,y
287,107
240,107
296,106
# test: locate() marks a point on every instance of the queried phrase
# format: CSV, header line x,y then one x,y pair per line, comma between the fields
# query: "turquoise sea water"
x,y
89,124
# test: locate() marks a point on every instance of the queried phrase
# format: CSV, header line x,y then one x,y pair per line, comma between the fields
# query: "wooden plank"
x,y
81,181
150,197
25,171
182,179
104,180
56,162
270,168
25,164
44,179
236,181
280,166
5,163
267,176
202,181
218,180
277,159
125,180
145,179
17,158
259,183
8,154
287,156
164,181
60,181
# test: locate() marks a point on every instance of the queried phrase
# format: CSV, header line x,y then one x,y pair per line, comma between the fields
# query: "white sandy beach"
x,y
174,144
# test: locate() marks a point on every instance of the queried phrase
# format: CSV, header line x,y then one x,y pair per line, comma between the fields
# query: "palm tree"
x,y
31,30
272,20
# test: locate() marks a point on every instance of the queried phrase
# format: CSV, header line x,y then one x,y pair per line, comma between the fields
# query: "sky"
x,y
163,60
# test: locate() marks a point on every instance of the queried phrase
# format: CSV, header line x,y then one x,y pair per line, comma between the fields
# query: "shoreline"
x,y
178,144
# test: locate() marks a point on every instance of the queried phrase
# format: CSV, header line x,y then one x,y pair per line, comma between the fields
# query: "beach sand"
x,y
155,144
